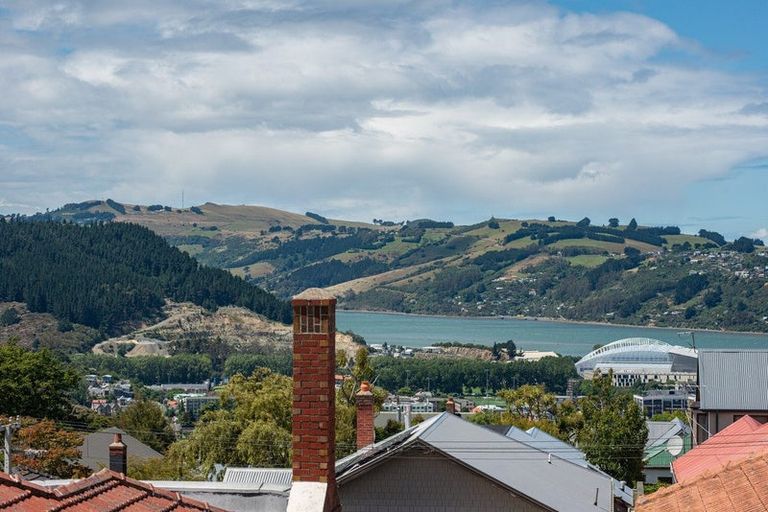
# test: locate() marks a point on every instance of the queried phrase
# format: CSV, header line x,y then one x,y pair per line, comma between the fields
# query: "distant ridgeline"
x,y
106,274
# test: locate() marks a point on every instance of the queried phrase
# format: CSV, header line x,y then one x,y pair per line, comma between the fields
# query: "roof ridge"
x,y
26,493
87,493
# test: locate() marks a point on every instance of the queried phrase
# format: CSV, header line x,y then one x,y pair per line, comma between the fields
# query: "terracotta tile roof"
x,y
105,491
741,486
743,438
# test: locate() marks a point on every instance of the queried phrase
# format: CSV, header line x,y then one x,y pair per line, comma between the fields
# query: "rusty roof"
x,y
743,438
742,486
105,491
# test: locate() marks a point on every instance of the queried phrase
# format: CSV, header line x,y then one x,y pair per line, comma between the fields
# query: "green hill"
x,y
112,276
554,268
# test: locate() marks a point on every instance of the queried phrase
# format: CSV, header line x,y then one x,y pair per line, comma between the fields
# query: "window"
x,y
313,319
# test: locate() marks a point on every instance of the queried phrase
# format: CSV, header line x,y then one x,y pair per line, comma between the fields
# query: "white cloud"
x,y
365,110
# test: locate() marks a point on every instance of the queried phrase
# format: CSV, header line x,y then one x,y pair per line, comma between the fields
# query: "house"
x,y
667,440
745,437
95,448
740,486
422,468
105,490
732,384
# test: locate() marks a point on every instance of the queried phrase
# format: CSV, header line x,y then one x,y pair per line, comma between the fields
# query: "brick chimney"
x,y
314,403
366,436
450,406
118,455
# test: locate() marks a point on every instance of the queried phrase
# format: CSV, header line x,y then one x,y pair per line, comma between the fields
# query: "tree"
x,y
493,223
145,421
584,222
529,401
9,317
614,433
531,406
551,218
632,226
45,448
613,222
511,348
34,384
743,244
252,427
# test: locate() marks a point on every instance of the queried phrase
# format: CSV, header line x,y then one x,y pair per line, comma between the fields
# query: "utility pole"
x,y
8,429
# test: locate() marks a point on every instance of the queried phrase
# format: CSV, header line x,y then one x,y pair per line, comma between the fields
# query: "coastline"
x,y
556,320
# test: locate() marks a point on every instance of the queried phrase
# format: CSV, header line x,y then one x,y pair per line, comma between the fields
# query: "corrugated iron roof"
x,y
102,491
741,486
258,476
733,380
739,440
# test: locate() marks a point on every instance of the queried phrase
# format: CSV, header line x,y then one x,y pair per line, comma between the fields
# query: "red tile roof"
x,y
105,491
741,486
743,438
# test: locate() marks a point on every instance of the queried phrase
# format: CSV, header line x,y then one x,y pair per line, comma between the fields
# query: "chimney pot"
x,y
366,434
118,455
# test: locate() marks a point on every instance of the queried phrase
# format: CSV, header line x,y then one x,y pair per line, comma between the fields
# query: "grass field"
x,y
681,239
587,260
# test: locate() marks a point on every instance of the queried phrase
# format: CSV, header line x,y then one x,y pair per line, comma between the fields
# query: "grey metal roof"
x,y
733,380
95,449
537,438
659,432
260,477
554,482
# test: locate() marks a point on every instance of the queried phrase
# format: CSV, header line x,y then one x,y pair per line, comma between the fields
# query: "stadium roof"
x,y
639,352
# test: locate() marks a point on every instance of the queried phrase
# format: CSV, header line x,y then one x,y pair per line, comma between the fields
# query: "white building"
x,y
640,360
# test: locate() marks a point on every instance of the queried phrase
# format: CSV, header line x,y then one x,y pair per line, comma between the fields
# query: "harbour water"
x,y
561,337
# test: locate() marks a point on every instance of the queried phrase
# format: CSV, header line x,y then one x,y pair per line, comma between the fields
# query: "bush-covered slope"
x,y
107,275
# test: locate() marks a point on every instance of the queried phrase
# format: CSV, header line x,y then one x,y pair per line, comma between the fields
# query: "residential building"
x,y
739,487
732,384
194,404
415,406
743,438
642,360
667,440
658,401
446,463
105,490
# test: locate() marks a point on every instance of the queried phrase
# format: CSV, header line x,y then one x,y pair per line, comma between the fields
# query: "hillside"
x,y
188,328
112,277
625,273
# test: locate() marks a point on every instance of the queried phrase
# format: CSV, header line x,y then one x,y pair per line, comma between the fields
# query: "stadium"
x,y
640,360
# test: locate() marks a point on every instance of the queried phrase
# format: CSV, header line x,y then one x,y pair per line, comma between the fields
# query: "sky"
x,y
392,109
